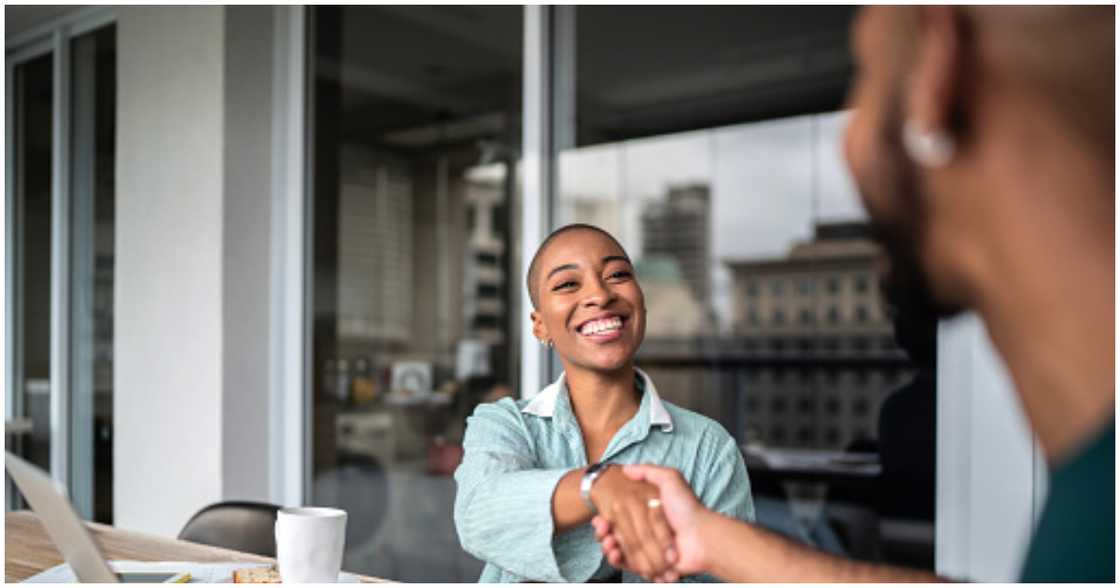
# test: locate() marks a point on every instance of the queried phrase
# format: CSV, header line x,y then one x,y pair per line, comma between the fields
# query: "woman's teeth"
x,y
601,326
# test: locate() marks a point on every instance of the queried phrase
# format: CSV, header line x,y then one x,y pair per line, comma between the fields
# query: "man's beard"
x,y
907,285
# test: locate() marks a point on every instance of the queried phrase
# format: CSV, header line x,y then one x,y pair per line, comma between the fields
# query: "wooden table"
x,y
29,551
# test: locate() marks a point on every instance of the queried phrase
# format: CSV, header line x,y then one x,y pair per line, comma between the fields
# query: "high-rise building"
x,y
679,228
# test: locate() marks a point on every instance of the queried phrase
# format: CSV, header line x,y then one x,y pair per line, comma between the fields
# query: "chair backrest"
x,y
243,526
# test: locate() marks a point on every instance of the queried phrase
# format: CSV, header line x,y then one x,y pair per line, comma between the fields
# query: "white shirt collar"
x,y
544,403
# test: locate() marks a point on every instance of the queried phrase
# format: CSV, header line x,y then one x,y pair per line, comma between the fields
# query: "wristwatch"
x,y
590,474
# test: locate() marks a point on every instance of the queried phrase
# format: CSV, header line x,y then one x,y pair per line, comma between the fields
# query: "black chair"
x,y
243,526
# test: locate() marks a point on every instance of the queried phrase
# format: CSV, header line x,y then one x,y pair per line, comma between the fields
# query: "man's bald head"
x,y
1062,56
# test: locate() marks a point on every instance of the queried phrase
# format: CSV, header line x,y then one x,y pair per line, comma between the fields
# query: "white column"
x,y
990,475
168,338
537,165
247,252
289,351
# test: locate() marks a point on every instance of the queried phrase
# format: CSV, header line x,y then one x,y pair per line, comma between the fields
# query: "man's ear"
x,y
540,331
934,84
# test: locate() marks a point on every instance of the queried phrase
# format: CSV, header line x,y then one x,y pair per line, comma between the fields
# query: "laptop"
x,y
66,530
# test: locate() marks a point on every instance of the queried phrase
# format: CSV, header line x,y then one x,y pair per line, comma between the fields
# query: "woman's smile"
x,y
604,328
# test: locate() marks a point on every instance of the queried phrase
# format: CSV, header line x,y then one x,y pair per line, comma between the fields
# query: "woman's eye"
x,y
620,274
561,286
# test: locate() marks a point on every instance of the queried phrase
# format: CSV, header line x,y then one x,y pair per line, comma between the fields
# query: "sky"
x,y
765,178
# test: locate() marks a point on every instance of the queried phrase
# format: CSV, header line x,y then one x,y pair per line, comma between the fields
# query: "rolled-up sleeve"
x,y
727,489
503,504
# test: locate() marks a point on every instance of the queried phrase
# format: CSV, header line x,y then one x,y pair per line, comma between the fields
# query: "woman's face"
x,y
589,303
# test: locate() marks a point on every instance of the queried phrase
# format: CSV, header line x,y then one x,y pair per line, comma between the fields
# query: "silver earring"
x,y
929,148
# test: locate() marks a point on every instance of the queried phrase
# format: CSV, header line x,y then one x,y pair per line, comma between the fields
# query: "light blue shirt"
x,y
516,452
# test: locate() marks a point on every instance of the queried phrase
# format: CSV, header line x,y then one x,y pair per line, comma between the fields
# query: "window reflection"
x,y
753,251
416,142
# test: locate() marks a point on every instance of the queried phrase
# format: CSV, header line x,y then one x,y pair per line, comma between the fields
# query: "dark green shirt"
x,y
1076,538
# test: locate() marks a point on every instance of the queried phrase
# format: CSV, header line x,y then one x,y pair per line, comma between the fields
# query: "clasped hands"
x,y
646,522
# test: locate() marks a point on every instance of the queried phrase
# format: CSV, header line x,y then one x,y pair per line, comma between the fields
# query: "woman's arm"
x,y
507,509
503,509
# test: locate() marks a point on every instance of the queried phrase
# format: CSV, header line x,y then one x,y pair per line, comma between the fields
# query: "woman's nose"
x,y
599,293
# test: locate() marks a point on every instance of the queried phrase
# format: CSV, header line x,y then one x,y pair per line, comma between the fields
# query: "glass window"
x,y
416,133
32,144
724,123
92,152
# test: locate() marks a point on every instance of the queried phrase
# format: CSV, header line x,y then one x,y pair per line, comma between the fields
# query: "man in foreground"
x,y
983,145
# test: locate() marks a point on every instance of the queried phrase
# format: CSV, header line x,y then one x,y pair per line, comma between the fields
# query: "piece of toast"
x,y
269,575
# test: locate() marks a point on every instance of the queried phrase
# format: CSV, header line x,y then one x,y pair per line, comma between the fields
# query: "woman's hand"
x,y
633,509
682,511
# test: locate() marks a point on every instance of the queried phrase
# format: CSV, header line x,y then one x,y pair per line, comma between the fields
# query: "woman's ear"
x,y
540,331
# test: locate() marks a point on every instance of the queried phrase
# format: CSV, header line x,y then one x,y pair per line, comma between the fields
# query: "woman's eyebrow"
x,y
568,266
560,268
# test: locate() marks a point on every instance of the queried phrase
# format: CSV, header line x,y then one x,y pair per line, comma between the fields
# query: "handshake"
x,y
650,522
658,529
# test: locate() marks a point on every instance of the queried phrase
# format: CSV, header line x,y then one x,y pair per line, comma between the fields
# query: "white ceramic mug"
x,y
309,543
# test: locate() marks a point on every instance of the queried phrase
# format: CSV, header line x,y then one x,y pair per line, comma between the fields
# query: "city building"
x,y
679,228
820,307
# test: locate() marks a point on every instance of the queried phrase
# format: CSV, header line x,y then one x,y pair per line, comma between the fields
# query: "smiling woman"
x,y
526,491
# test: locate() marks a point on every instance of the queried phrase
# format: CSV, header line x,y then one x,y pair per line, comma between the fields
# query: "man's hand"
x,y
733,550
684,513
624,503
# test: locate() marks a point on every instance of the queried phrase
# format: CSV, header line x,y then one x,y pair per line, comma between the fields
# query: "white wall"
x,y
990,474
194,256
168,339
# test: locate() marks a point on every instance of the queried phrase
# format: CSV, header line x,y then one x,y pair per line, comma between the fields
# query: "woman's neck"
x,y
602,401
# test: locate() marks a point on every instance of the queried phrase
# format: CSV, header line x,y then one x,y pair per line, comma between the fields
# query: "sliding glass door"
x,y
61,121
30,250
